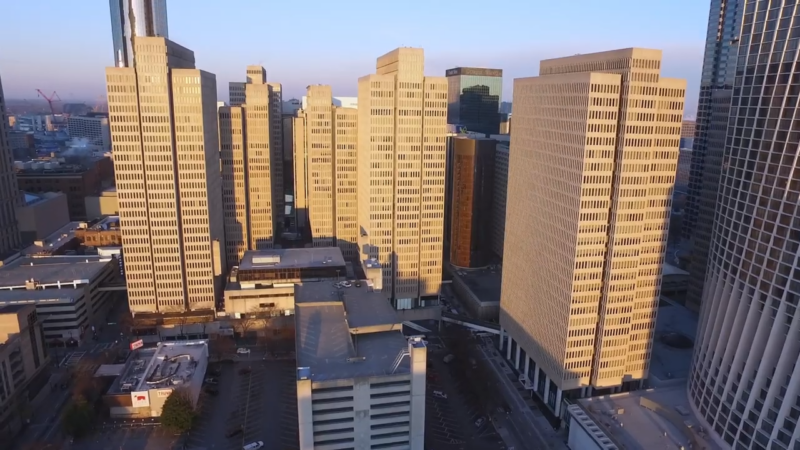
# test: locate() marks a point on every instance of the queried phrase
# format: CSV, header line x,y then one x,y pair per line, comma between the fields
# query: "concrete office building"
x,y
135,18
329,195
745,379
500,193
473,183
474,98
360,382
23,363
595,153
402,128
9,192
713,108
41,215
300,173
93,127
104,204
166,154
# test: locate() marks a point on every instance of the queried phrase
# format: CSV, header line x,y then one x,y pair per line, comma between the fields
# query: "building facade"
x,y
93,127
166,154
474,98
472,197
595,152
500,193
745,379
716,88
10,196
402,128
131,18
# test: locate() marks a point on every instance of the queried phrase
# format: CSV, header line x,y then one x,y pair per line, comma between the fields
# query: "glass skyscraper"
x,y
745,377
135,18
474,98
716,85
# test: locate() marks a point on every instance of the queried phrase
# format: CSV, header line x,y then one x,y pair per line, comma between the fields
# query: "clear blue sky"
x,y
64,45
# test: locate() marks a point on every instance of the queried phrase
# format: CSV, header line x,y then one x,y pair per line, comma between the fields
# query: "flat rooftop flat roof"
x,y
292,258
170,364
363,306
57,239
326,346
639,427
485,283
51,270
669,362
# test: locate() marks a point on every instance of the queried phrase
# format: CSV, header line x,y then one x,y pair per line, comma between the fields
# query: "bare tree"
x,y
245,323
222,346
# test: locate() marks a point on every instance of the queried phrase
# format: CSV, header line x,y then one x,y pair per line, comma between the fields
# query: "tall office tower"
x,y
10,237
473,185
595,153
245,151
402,125
345,140
139,18
474,96
716,88
236,95
300,174
745,379
166,159
500,191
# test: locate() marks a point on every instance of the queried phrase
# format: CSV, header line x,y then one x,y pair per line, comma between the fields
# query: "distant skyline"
x,y
65,46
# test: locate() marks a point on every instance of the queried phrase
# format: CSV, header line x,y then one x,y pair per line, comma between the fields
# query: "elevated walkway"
x,y
474,324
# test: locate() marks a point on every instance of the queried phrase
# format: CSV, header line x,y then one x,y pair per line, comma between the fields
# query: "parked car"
x,y
210,390
449,358
253,445
346,284
479,423
233,431
242,351
357,284
210,380
440,394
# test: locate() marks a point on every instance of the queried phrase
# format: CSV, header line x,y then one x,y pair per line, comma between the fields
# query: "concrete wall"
x,y
247,301
579,438
105,204
44,217
488,311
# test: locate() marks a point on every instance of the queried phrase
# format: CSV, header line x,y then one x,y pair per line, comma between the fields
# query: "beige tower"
x,y
9,191
166,158
593,161
402,124
299,161
245,145
319,165
345,162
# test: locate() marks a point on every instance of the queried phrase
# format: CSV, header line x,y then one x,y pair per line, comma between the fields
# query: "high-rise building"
x,y
93,127
10,196
745,379
319,141
300,175
246,154
402,128
716,88
474,98
500,192
163,117
595,150
139,18
473,185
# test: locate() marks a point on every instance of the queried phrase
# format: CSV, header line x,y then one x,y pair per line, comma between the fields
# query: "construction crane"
x,y
52,98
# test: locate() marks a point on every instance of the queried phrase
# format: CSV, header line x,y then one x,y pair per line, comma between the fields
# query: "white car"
x,y
347,284
242,351
440,394
480,422
253,445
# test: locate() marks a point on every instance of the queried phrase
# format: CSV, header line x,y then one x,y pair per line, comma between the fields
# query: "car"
x,y
357,284
242,351
479,423
449,358
210,380
210,390
253,445
233,431
347,284
440,394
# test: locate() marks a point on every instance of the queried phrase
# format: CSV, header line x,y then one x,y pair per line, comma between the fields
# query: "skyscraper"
x,y
590,179
135,18
745,380
166,158
9,192
474,98
402,127
716,87
246,154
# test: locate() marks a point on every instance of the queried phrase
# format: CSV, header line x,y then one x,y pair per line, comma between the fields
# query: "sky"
x,y
65,45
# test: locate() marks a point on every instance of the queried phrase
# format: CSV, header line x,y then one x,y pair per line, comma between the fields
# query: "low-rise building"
x,y
150,375
360,382
66,291
104,232
103,204
93,127
23,363
42,215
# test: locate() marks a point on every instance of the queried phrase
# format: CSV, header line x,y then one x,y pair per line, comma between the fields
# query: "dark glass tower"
x,y
745,377
474,98
716,85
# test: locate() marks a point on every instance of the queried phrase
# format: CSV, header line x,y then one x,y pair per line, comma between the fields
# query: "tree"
x,y
77,420
178,413
222,346
245,323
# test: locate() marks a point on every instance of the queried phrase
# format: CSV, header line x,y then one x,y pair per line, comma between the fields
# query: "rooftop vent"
x,y
267,259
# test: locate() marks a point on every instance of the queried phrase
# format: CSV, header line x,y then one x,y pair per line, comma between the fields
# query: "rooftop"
x,y
676,328
171,364
60,237
484,283
669,269
652,419
365,308
66,270
292,258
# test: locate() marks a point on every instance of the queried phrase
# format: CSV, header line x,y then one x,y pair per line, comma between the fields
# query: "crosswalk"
x,y
98,348
72,359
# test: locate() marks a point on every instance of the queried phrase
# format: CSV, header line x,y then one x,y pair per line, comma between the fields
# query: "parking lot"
x,y
127,438
258,396
451,422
